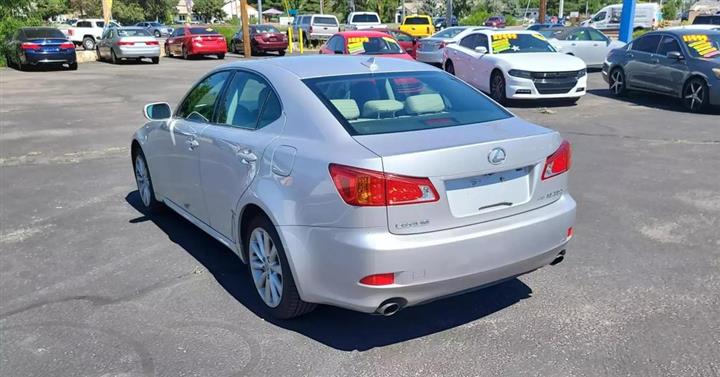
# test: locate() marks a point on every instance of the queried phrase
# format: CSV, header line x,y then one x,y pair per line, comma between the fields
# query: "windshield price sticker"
x,y
701,44
356,45
354,40
501,42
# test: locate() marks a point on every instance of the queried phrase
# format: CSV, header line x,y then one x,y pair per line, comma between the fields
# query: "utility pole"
x,y
543,8
560,11
322,6
245,28
259,17
449,13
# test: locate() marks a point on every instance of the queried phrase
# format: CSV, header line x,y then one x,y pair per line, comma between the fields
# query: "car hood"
x,y
541,61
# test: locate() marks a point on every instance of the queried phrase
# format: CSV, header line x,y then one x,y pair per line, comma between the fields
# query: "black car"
x,y
33,46
707,20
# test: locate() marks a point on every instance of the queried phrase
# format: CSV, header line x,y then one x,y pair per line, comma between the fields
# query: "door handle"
x,y
192,143
246,156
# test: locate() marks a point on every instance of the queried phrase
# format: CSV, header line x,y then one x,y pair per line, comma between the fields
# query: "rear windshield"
x,y
417,21
371,104
265,29
325,21
43,33
132,33
508,43
202,31
365,18
703,45
372,46
707,20
449,32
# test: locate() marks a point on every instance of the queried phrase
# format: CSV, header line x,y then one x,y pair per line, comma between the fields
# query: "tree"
x,y
159,9
87,8
670,9
127,11
46,9
209,9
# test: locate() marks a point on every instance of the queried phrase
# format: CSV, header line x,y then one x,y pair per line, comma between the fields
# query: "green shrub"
x,y
640,32
510,21
8,27
476,18
227,31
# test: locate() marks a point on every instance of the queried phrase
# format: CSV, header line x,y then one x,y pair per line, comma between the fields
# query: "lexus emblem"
x,y
496,156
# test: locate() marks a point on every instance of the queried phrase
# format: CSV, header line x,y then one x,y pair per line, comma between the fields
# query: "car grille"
x,y
554,82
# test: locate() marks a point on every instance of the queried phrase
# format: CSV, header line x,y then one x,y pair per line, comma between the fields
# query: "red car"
x,y
495,21
364,42
406,41
195,40
263,38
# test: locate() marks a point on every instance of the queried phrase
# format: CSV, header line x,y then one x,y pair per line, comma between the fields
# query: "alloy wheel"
x,y
498,88
694,95
265,266
143,180
617,82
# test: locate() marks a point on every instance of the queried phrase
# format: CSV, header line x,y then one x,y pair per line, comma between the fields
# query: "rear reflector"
x,y
569,232
378,279
126,43
362,187
558,162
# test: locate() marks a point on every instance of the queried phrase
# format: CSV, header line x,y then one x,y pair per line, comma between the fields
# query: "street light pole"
x,y
259,17
449,13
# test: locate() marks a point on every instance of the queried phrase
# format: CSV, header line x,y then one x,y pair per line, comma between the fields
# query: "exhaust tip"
x,y
391,306
558,259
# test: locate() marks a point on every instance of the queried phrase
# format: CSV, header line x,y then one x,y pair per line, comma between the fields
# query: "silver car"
x,y
127,43
430,49
369,184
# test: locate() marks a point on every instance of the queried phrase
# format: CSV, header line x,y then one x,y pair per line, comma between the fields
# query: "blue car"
x,y
544,26
35,46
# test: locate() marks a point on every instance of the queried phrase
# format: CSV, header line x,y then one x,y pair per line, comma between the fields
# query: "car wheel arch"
x,y
693,75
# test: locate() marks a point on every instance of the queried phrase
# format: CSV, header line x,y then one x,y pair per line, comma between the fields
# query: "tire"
x,y
144,184
88,43
497,88
157,34
9,61
233,47
185,53
167,51
695,96
20,66
73,66
114,57
97,52
263,265
617,83
449,67
221,56
155,60
281,52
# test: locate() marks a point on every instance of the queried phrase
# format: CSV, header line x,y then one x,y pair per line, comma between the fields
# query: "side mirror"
x,y
675,55
481,49
157,111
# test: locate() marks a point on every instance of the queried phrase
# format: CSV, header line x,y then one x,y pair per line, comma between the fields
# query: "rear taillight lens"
x,y
30,46
126,43
152,43
378,279
558,162
362,187
66,45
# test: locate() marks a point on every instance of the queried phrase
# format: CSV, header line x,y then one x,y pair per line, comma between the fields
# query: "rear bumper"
x,y
49,57
328,263
271,46
138,52
433,57
206,50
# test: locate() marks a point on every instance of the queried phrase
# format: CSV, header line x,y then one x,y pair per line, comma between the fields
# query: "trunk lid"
x,y
471,189
48,44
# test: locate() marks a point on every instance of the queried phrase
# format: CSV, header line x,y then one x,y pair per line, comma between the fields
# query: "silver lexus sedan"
x,y
369,184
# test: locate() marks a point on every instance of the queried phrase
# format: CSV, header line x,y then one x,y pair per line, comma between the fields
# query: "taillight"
x,y
66,45
378,279
197,39
362,187
558,162
152,43
30,46
126,43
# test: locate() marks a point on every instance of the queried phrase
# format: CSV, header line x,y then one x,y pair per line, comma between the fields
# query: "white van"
x,y
647,16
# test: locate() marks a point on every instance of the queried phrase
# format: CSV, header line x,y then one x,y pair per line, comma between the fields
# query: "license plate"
x,y
487,193
52,49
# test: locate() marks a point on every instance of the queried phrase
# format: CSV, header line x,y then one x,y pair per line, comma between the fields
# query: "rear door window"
x,y
470,42
370,104
647,43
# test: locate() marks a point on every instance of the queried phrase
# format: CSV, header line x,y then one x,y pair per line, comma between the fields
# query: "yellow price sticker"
x,y
354,40
501,36
701,44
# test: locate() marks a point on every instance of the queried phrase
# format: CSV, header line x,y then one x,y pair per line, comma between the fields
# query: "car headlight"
x,y
581,73
520,73
716,71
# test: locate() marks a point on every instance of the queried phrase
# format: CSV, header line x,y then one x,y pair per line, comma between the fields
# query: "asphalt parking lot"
x,y
90,286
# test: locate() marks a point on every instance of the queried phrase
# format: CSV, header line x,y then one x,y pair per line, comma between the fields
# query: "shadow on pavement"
x,y
335,327
650,100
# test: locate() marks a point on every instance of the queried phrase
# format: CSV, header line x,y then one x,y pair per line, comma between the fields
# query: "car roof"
x,y
363,33
504,31
682,32
310,66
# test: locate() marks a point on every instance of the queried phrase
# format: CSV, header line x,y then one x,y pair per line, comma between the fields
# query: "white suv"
x,y
315,27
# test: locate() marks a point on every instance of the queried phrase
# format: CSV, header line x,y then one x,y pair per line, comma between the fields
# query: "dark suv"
x,y
707,20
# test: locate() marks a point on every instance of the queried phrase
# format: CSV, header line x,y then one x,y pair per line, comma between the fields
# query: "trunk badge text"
x,y
496,156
